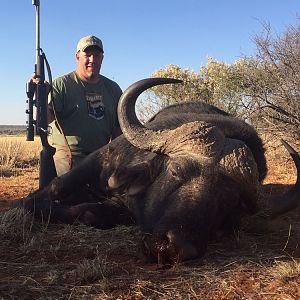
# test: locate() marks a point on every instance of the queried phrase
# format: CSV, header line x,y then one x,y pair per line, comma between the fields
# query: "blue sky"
x,y
139,37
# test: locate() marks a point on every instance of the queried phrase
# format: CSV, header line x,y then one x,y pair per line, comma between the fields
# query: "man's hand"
x,y
36,80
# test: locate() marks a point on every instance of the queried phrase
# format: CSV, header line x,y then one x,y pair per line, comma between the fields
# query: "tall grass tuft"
x,y
91,270
288,269
16,224
16,152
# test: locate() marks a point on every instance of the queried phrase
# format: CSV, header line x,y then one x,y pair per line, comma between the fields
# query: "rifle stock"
x,y
47,169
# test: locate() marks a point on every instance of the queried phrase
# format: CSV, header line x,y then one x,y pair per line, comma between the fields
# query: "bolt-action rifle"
x,y
37,96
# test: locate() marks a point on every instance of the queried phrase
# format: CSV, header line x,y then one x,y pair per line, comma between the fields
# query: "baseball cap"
x,y
88,41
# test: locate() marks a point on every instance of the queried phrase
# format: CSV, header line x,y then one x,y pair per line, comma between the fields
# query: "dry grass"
x,y
16,152
286,270
55,261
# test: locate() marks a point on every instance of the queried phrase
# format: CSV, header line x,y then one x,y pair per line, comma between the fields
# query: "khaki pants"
x,y
62,160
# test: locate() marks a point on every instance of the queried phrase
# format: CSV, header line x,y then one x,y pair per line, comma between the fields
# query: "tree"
x,y
263,89
217,83
278,95
161,96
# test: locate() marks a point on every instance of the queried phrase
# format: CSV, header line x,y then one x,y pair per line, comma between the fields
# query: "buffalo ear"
x,y
140,175
140,182
136,176
143,173
130,179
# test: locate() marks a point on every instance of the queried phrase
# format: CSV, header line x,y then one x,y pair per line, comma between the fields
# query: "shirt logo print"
x,y
95,105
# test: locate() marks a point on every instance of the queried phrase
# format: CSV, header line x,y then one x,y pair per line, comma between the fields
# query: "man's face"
x,y
89,63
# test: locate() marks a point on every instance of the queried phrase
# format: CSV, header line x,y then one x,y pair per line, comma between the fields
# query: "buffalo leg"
x,y
103,215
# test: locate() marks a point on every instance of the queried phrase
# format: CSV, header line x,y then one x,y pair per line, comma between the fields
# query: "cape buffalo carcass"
x,y
185,174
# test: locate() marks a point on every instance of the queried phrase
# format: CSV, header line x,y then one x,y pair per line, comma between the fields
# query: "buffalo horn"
x,y
134,131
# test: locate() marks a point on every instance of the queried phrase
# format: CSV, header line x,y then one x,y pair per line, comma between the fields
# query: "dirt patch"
x,y
54,261
17,184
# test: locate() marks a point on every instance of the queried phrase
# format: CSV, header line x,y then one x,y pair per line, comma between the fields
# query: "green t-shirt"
x,y
87,112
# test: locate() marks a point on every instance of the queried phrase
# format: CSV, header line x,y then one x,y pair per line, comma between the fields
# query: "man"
x,y
83,107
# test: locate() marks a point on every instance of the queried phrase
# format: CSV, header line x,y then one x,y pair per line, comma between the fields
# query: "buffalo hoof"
x,y
103,215
31,204
169,249
85,213
44,209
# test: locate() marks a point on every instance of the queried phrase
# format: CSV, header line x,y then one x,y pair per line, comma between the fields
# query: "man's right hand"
x,y
36,80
